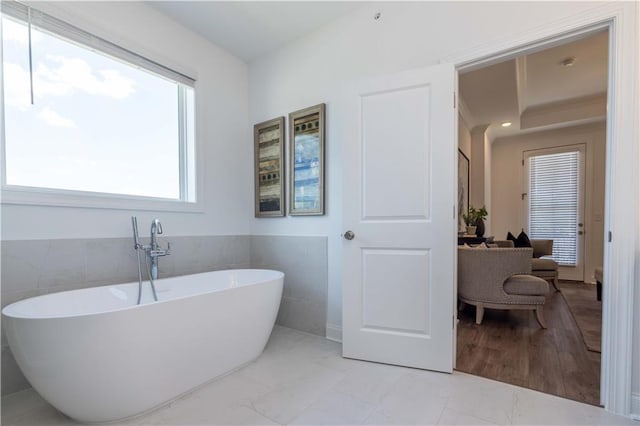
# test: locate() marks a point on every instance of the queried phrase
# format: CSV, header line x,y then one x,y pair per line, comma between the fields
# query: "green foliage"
x,y
474,215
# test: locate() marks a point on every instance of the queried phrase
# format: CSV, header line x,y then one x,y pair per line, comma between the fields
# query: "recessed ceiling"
x,y
251,29
491,93
538,84
549,81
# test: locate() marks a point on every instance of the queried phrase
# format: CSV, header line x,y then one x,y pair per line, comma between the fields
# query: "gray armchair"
x,y
545,268
499,278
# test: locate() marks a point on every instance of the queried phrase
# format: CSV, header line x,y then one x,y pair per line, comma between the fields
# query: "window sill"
x,y
27,196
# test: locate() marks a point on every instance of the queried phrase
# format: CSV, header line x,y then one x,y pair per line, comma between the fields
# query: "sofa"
x,y
500,278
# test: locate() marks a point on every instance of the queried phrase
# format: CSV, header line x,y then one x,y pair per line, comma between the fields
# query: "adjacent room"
x,y
263,212
532,140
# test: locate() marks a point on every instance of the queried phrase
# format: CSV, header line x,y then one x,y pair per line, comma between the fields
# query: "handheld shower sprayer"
x,y
136,238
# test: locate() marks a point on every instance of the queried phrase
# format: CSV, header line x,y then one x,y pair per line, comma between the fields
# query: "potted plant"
x,y
474,220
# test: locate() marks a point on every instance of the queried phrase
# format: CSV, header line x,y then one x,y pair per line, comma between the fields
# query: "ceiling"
x,y
509,91
249,29
517,89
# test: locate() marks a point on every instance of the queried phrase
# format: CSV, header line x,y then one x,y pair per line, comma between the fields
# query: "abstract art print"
x,y
306,161
269,168
463,188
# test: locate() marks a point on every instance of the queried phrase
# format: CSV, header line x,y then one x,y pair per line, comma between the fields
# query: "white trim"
x,y
521,83
635,406
543,37
465,113
622,198
334,332
20,195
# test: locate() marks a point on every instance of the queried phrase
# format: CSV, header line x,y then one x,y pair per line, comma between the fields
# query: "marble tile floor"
x,y
301,379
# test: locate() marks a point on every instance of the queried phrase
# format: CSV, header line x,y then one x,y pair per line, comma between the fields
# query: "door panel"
x,y
409,133
399,202
404,306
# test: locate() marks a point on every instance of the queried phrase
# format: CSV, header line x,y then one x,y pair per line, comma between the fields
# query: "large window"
x,y
81,114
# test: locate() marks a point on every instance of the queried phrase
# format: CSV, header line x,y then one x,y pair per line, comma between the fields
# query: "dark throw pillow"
x,y
522,240
510,237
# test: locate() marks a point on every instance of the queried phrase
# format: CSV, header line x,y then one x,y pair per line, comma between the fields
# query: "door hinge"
x,y
523,162
454,211
454,100
610,236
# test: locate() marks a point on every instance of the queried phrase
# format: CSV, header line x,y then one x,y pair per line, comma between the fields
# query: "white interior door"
x,y
399,154
554,204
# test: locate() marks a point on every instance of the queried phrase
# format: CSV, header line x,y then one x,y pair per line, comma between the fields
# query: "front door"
x,y
399,219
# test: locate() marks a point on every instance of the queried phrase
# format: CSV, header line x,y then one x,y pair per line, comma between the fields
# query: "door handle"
x,y
349,235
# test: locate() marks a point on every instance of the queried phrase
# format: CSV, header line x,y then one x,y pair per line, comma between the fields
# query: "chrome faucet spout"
x,y
156,229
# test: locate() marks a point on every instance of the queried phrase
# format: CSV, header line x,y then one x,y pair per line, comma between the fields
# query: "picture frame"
x,y
306,161
269,168
463,188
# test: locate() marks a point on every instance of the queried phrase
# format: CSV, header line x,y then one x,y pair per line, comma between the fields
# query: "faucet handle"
x,y
168,251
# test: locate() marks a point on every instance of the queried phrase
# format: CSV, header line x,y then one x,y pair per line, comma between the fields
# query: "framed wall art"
x,y
268,139
463,188
306,161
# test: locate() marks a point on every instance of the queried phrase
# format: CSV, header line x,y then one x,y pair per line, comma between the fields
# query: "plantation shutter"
x,y
554,201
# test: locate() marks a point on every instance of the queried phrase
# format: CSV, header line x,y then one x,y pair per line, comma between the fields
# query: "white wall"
x,y
221,129
508,176
408,35
477,170
488,172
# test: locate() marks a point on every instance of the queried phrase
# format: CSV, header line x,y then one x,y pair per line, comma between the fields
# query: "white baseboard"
x,y
635,406
334,332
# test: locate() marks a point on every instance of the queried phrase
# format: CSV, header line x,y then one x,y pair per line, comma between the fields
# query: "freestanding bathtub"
x,y
97,356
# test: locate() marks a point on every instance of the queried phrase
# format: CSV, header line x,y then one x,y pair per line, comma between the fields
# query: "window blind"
x,y
60,28
553,203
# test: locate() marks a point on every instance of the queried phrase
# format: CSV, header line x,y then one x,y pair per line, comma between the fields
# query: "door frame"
x,y
621,207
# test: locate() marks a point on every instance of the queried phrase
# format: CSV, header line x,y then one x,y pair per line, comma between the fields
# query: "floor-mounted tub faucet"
x,y
155,251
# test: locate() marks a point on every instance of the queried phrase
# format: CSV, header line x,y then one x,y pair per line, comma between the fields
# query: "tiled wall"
x,y
304,263
36,267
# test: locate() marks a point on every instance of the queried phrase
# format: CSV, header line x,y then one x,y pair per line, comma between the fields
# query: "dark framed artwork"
x,y
306,161
463,188
268,139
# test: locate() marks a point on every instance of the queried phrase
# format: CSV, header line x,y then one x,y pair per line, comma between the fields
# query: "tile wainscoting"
x,y
36,267
304,263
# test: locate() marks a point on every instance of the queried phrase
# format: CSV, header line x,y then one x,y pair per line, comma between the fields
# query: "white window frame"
x,y
191,181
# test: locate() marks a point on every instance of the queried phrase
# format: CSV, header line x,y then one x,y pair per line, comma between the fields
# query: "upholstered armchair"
x,y
545,268
499,278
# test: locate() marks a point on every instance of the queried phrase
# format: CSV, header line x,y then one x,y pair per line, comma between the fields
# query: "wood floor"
x,y
510,346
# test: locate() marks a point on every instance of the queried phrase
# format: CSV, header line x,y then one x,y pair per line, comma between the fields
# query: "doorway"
x,y
536,128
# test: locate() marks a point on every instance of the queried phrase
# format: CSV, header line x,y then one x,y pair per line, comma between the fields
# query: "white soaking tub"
x,y
98,357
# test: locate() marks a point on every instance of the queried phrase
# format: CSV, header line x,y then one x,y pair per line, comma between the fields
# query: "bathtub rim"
x,y
8,315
